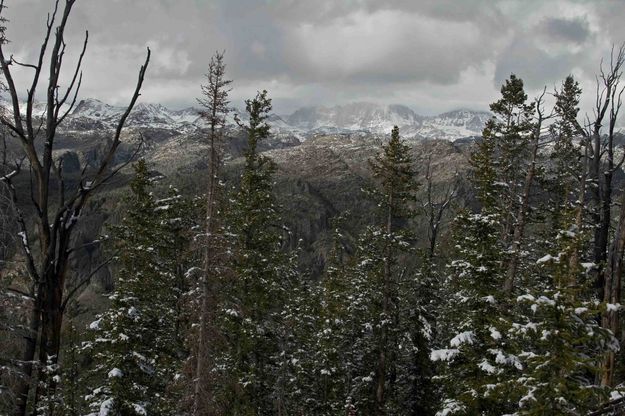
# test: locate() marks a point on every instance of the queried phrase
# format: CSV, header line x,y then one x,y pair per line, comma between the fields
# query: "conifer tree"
x,y
533,347
323,342
251,312
215,108
137,345
478,351
562,341
478,363
383,312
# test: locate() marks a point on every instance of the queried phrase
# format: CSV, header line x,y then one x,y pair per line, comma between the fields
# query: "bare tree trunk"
x,y
201,392
436,209
614,273
608,97
55,222
579,220
614,262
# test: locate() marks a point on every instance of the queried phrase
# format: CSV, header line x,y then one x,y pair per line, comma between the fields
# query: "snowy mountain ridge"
x,y
353,118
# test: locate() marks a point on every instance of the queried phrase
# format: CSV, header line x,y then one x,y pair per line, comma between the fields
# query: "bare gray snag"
x,y
436,207
599,148
49,250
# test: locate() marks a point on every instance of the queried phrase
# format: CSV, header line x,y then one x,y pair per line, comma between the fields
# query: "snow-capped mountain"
x,y
361,118
355,117
454,125
142,115
380,119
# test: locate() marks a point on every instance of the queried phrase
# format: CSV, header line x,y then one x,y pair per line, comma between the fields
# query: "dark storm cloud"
x,y
574,30
328,51
535,66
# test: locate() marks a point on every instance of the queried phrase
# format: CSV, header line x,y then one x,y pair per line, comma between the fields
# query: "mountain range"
x,y
363,118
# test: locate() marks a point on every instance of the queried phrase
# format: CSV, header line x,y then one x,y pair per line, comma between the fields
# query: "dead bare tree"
x,y
215,106
434,207
599,151
608,255
49,249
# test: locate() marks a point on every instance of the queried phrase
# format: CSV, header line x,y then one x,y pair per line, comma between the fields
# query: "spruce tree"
x,y
562,341
533,347
137,343
480,361
388,332
323,334
251,309
215,108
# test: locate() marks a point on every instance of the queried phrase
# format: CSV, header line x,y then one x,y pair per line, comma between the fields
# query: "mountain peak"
x,y
357,117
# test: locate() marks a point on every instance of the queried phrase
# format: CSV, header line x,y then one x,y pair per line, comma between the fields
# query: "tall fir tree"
x,y
533,347
251,310
215,108
479,360
137,343
389,350
478,363
556,319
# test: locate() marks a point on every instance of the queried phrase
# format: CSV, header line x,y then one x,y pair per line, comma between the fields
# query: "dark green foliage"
x,y
478,360
536,349
387,364
251,363
138,340
499,162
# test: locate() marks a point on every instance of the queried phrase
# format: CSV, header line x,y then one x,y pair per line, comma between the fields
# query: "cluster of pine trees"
x,y
211,316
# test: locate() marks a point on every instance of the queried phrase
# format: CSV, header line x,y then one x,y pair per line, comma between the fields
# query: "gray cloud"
x,y
537,67
569,30
434,55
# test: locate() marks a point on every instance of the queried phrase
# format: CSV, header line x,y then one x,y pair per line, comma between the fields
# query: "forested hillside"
x,y
228,262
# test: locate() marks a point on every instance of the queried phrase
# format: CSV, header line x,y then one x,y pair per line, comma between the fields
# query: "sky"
x,y
431,55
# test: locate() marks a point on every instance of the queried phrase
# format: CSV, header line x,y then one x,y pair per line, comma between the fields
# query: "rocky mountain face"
x,y
321,156
378,119
355,118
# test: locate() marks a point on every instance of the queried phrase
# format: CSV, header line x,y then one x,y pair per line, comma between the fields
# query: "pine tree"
x,y
480,360
478,363
563,343
322,339
251,312
215,108
389,346
532,347
137,345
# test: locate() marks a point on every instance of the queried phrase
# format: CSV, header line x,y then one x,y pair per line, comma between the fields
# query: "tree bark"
x,y
55,221
612,291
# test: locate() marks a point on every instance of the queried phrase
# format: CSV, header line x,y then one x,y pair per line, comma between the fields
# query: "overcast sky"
x,y
432,55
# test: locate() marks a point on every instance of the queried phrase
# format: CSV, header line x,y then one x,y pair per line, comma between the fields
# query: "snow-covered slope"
x,y
379,119
454,125
361,118
354,117
143,115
